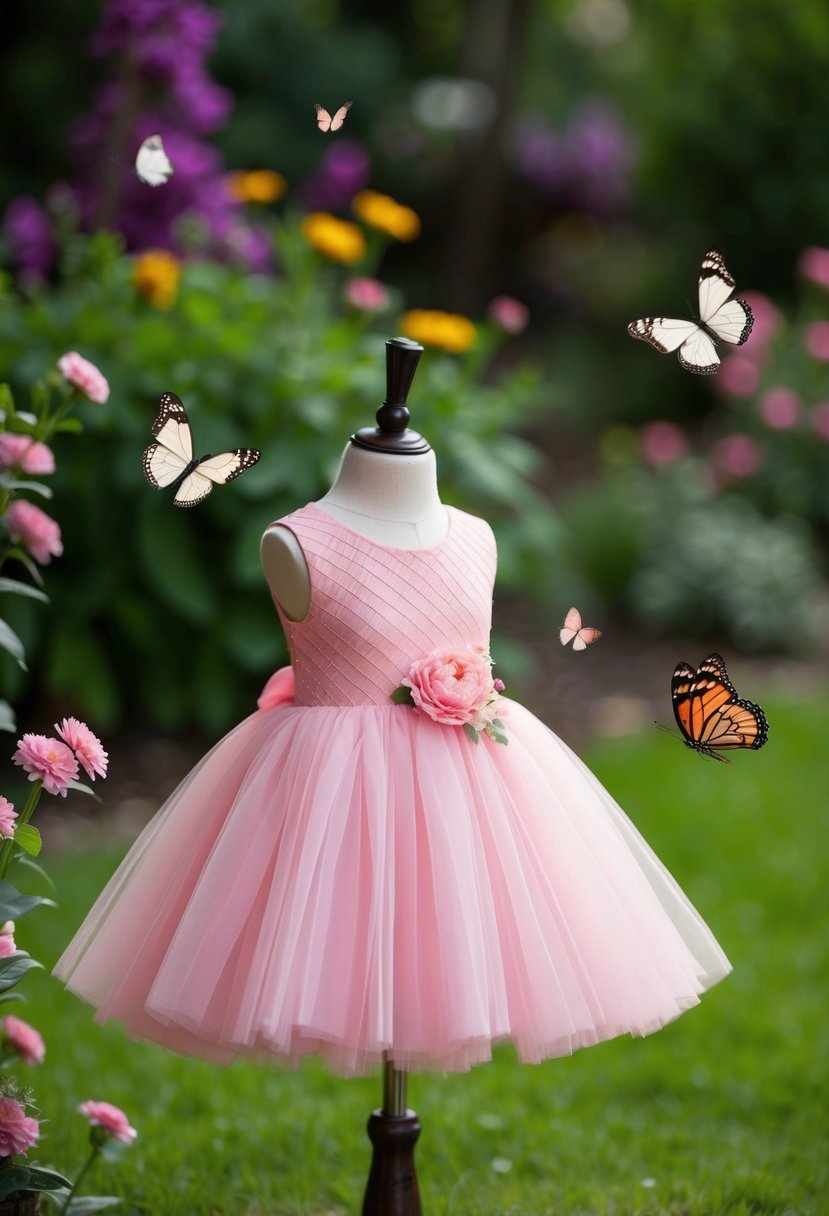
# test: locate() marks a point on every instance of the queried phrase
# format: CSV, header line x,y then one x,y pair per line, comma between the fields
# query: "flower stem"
x,y
84,1170
7,847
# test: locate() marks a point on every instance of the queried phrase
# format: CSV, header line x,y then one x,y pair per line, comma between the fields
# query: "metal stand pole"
x,y
392,1182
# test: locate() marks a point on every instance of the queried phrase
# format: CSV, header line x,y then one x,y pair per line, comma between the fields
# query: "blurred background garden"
x,y
514,182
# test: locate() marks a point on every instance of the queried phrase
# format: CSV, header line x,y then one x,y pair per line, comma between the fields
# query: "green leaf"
x,y
91,1203
45,1180
13,904
22,556
73,425
13,587
28,837
13,1178
27,863
13,968
469,729
82,789
33,487
402,695
11,642
11,996
7,718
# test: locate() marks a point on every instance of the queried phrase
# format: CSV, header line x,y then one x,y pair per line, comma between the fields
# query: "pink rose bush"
x,y
84,376
35,530
23,1040
110,1119
455,687
18,1131
26,454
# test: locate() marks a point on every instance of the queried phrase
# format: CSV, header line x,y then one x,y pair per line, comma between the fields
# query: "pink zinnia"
x,y
781,409
738,376
35,530
24,453
86,746
47,760
7,817
820,419
662,443
817,339
367,295
25,1040
737,455
110,1119
813,264
84,376
508,314
18,1132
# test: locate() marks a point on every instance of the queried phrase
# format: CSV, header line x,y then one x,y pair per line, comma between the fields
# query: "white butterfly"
x,y
581,635
152,165
720,319
170,462
326,123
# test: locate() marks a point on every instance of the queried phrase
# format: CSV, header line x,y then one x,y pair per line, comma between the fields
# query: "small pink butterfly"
x,y
573,629
326,123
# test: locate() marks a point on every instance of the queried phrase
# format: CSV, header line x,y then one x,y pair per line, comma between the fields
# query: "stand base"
x,y
392,1182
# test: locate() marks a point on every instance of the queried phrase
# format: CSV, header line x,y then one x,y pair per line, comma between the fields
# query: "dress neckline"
x,y
377,544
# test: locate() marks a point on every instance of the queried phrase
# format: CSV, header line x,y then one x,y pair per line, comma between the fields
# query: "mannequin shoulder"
x,y
286,570
477,526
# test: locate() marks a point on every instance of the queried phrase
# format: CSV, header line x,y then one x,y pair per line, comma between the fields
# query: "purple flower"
x,y
344,171
31,236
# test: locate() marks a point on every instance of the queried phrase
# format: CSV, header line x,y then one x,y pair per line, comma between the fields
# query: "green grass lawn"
x,y
724,1111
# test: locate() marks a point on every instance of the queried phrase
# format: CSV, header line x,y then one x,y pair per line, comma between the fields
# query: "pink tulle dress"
x,y
342,875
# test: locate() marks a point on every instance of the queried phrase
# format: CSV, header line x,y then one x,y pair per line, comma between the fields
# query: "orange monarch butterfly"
x,y
710,715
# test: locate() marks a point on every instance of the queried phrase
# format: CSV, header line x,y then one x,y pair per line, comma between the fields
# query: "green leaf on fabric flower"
x,y
28,837
402,695
13,587
13,904
469,729
12,643
13,968
7,718
91,1203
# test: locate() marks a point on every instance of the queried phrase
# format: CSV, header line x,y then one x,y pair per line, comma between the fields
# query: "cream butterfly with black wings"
x,y
170,461
721,319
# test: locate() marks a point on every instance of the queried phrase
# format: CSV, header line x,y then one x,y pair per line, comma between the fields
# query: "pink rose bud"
x,y
508,314
110,1119
25,1041
84,376
7,817
23,453
47,760
18,1132
367,295
499,685
34,529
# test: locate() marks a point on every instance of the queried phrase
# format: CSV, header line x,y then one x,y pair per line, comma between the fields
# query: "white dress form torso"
x,y
388,497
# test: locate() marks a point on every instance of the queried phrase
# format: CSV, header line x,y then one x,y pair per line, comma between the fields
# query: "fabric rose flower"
x,y
84,376
36,530
18,1132
24,453
47,760
112,1121
86,746
7,817
455,688
24,1040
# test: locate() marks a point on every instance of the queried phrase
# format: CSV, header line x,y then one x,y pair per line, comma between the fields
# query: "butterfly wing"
x,y
585,636
710,715
339,118
167,459
214,470
152,165
698,353
323,118
571,626
731,320
663,333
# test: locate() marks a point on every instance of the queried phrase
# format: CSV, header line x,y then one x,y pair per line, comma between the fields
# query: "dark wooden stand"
x,y
392,1188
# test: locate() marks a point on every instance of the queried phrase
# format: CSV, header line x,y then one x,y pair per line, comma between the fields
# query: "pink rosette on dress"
x,y
279,689
455,688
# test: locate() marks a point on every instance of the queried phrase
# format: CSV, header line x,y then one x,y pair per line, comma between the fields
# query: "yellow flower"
x,y
156,274
447,330
337,239
380,211
257,186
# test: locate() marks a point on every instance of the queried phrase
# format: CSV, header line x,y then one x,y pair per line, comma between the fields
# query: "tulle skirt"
x,y
361,883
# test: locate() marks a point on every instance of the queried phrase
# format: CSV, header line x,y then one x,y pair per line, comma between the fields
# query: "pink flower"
x,y
737,455
814,264
451,686
84,376
817,339
368,295
47,760
35,530
7,817
781,409
498,685
22,452
738,376
18,1132
662,443
508,314
7,945
24,1039
110,1119
86,746
767,321
820,419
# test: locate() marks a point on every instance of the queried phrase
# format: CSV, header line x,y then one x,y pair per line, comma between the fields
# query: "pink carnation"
x,y
47,760
781,409
367,295
451,686
817,339
25,1040
7,817
738,376
110,1119
662,443
24,453
737,455
8,945
508,314
814,264
820,419
84,376
86,746
18,1132
35,530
